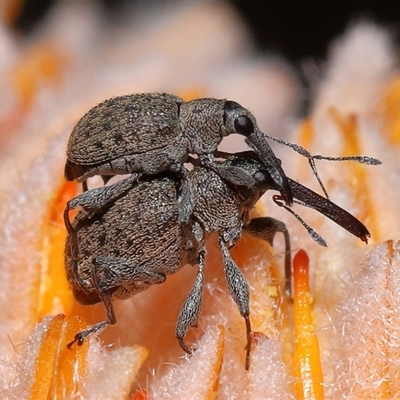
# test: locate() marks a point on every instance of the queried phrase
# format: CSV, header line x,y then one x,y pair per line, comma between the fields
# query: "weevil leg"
x,y
73,246
105,297
185,203
265,228
111,272
239,290
92,201
190,310
235,175
107,274
95,199
185,198
85,186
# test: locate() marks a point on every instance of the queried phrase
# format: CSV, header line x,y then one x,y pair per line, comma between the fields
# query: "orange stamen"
x,y
306,357
57,367
216,369
391,108
55,295
306,133
348,126
41,65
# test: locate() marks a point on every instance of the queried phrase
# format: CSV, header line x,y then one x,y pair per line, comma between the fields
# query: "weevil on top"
x,y
149,133
136,232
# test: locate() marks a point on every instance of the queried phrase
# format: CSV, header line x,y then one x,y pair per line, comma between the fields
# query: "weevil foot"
x,y
187,349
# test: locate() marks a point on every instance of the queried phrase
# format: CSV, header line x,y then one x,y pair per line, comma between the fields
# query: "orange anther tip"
x,y
301,259
140,395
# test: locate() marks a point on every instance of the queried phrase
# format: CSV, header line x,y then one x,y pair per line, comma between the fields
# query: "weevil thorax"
x,y
207,121
201,121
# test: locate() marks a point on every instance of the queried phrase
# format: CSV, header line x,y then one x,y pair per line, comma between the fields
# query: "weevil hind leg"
x,y
266,228
239,290
85,187
72,243
190,310
108,274
93,201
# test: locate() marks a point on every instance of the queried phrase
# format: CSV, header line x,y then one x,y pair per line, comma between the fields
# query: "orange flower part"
x,y
43,64
391,108
306,357
57,366
349,128
54,295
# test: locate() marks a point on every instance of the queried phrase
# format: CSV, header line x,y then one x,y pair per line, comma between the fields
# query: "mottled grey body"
x,y
149,133
129,237
126,134
137,240
124,233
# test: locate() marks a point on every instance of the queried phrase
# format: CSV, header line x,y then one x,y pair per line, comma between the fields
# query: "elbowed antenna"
x,y
257,141
305,153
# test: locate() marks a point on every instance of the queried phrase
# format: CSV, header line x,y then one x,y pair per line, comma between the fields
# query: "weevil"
x,y
137,240
148,133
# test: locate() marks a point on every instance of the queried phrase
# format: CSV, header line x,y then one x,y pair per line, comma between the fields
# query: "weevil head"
x,y
239,120
250,163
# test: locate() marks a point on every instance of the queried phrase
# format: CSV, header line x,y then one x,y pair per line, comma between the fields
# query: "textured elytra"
x,y
125,125
140,228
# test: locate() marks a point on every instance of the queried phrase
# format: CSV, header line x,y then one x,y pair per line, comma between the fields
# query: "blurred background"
x,y
60,58
295,29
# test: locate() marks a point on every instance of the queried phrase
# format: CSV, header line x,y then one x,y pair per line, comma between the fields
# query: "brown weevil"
x,y
136,240
149,133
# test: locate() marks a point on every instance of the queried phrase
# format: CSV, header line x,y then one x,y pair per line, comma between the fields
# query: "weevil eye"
x,y
244,126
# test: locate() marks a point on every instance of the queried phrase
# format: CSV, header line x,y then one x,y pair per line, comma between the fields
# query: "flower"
x,y
339,337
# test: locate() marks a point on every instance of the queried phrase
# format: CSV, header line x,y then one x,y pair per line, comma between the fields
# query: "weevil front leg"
x,y
95,199
190,310
109,273
92,201
185,204
239,290
265,228
235,175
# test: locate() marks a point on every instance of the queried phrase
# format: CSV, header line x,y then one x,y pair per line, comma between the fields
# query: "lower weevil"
x,y
137,240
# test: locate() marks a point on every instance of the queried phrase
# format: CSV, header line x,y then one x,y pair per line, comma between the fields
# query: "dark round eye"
x,y
244,126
